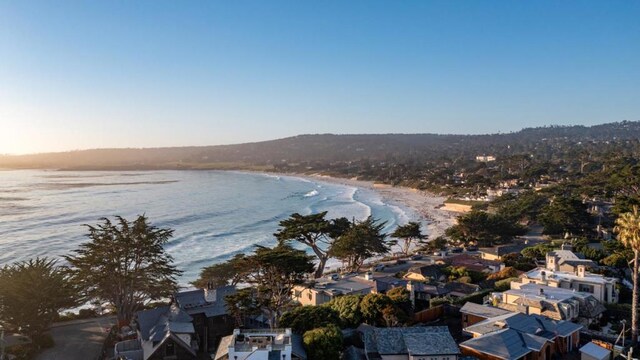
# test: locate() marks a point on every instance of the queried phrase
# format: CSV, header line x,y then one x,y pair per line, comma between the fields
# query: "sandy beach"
x,y
424,203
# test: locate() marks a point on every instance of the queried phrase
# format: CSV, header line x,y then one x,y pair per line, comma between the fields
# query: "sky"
x,y
96,74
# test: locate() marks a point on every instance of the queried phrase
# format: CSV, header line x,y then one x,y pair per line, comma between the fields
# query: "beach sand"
x,y
424,203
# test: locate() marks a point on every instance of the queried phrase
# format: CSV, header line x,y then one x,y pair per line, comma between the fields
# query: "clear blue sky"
x,y
88,74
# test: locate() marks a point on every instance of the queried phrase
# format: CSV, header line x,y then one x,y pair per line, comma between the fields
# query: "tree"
x,y
484,228
242,304
304,318
361,241
33,293
348,309
221,274
372,307
323,343
564,214
410,234
628,229
274,272
125,264
314,231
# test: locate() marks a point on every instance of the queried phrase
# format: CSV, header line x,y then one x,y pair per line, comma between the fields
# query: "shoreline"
x,y
423,203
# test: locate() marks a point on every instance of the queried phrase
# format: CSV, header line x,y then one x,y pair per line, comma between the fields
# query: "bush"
x,y
44,341
305,318
323,343
504,285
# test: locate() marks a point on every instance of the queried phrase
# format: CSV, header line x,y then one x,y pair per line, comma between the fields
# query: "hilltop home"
x,y
601,287
554,303
261,344
165,332
410,343
517,336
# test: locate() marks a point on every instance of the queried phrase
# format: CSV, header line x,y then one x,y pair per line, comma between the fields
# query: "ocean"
x,y
215,214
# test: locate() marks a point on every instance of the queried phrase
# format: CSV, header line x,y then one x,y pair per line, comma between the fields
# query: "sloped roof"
x,y
595,351
505,344
528,324
482,310
504,249
211,302
164,322
428,271
428,340
462,288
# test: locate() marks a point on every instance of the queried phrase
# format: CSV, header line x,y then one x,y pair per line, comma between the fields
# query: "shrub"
x,y
323,343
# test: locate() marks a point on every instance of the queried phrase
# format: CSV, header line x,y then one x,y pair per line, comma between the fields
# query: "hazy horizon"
x,y
162,74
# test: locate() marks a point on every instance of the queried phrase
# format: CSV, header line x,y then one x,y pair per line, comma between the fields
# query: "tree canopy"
x,y
410,234
125,264
32,294
314,231
361,241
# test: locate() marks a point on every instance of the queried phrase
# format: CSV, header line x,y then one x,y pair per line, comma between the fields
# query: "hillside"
x,y
339,153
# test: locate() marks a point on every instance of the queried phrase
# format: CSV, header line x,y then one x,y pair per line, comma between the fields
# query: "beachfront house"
x,y
208,309
496,253
165,332
323,290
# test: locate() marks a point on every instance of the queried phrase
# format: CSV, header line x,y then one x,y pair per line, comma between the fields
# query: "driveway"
x,y
78,339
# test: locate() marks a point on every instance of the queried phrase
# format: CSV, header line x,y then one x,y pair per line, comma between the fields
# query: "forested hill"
x,y
319,151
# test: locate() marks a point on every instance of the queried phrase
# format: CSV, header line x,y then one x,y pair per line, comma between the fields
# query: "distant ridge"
x,y
326,148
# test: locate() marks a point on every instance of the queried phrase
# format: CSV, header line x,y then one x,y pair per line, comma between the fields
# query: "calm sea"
x,y
215,214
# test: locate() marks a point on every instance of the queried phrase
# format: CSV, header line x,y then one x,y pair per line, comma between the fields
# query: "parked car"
x,y
401,261
472,248
456,250
416,257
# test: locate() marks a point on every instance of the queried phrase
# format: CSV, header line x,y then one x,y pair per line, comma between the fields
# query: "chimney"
x,y
543,276
581,270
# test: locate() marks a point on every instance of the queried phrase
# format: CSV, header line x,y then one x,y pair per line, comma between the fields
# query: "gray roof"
x,y
506,344
528,324
211,302
595,351
430,340
504,249
159,324
482,310
461,288
428,271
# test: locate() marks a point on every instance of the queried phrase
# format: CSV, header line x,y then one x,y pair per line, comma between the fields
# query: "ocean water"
x,y
215,214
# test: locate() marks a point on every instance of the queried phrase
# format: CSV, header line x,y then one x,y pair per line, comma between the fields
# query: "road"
x,y
78,339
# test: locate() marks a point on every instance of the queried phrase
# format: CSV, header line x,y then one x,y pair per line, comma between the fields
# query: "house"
x,y
207,308
566,260
458,289
422,291
496,253
323,291
474,263
163,332
516,336
552,302
474,313
261,344
601,287
411,343
427,273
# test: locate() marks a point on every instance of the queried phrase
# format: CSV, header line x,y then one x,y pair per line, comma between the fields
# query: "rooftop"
x,y
429,340
345,285
208,301
528,324
482,310
506,344
568,276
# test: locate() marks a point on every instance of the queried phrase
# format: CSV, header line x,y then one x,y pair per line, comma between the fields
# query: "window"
x,y
585,288
310,295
